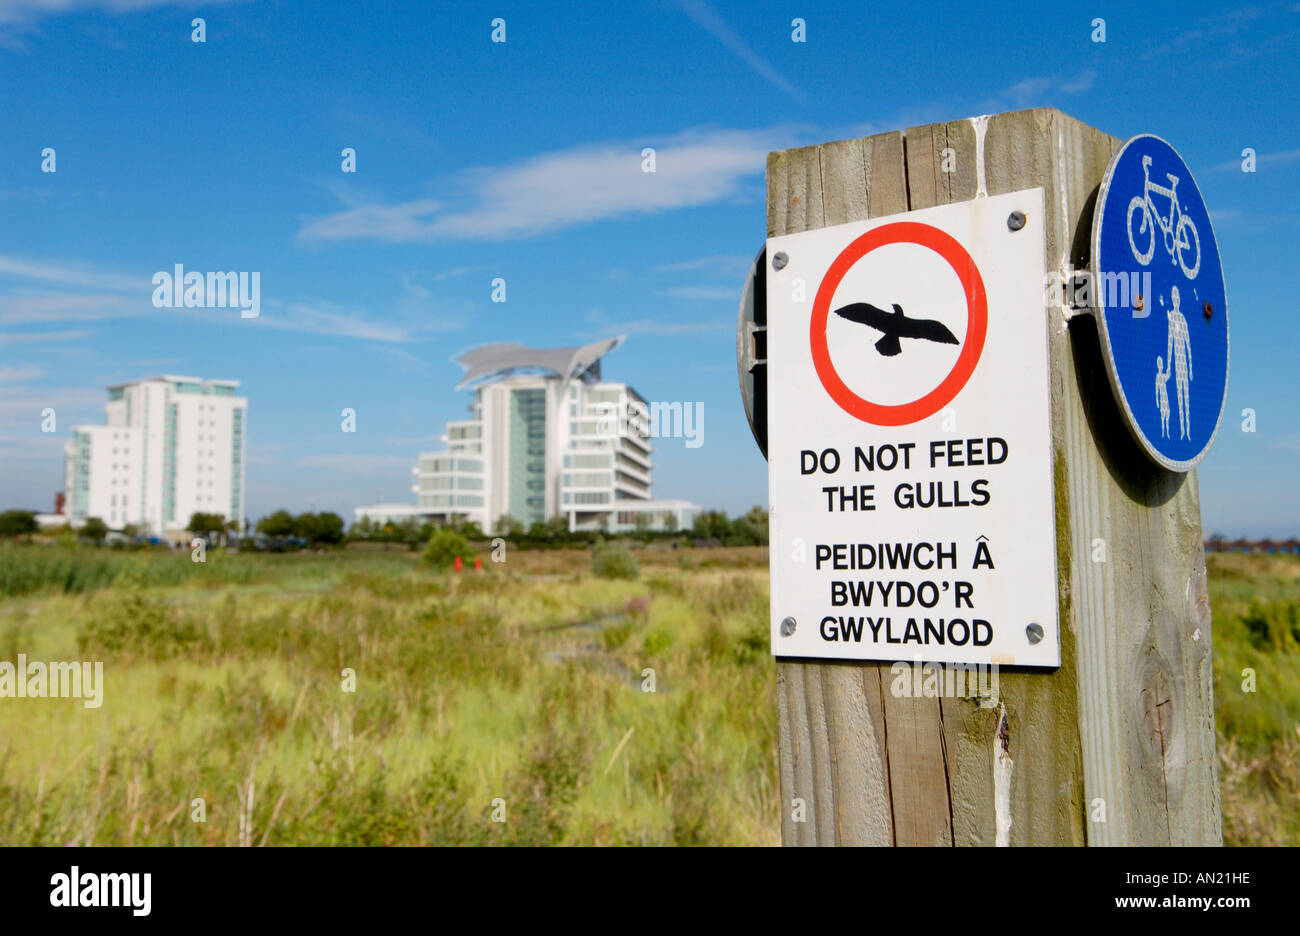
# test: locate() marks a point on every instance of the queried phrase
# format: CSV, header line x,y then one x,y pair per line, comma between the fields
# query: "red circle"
x,y
977,317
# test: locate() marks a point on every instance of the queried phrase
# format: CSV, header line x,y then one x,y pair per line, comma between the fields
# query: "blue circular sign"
x,y
1158,295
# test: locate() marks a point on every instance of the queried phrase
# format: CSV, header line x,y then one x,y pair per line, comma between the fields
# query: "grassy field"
x,y
522,684
1255,601
521,688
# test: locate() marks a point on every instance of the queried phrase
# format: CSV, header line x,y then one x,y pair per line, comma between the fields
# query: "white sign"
x,y
909,438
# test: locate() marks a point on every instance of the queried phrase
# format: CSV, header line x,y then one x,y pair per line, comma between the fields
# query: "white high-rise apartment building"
x,y
547,437
173,447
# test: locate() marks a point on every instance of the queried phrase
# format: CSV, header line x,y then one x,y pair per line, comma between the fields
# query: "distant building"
x,y
1219,545
56,520
546,437
173,446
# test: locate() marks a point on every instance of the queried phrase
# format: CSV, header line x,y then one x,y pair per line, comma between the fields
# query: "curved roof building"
x,y
548,437
495,361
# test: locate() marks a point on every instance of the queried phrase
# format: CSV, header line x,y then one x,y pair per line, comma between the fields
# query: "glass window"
x,y
586,479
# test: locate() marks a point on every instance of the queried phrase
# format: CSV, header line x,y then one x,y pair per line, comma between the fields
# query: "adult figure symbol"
x,y
1178,352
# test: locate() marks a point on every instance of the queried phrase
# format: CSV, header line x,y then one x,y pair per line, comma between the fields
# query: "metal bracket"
x,y
751,349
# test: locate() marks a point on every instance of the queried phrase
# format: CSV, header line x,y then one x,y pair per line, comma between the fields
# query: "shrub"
x,y
17,522
657,641
318,528
615,635
132,621
614,561
443,547
1274,625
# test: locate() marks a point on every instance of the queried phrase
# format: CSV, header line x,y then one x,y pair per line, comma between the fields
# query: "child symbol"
x,y
1162,396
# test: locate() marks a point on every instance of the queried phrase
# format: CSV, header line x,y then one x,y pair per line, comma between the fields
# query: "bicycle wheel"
x,y
1185,243
1148,227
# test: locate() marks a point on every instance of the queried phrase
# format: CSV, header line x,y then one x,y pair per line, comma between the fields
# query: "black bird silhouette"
x,y
895,326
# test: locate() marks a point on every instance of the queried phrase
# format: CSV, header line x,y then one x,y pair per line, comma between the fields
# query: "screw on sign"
x,y
1168,367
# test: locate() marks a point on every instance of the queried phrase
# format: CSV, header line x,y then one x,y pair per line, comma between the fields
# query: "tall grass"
x,y
1256,607
473,694
72,570
519,688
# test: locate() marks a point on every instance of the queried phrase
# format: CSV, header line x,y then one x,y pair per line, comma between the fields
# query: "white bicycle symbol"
x,y
1179,231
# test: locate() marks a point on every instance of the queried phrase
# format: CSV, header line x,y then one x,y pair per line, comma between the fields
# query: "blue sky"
x,y
522,160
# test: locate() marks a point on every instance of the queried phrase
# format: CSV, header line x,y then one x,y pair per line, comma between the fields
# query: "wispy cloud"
x,y
728,265
659,327
708,19
20,408
457,272
327,318
1218,27
1040,91
357,115
49,337
20,374
407,221
601,328
34,299
1236,219
557,190
45,292
26,11
1261,159
419,305
68,274
105,36
61,307
702,292
731,267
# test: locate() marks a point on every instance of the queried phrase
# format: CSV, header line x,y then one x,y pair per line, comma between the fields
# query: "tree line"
x,y
711,527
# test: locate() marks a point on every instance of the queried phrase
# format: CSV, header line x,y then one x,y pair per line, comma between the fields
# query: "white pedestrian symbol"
x,y
1178,352
1162,396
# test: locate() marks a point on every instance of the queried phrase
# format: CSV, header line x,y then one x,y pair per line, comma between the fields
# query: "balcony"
x,y
634,471
635,455
637,491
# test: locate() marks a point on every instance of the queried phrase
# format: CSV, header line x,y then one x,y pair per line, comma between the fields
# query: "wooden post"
x,y
1117,747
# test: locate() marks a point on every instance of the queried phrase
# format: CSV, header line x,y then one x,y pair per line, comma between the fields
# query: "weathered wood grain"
x,y
1126,724
834,707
